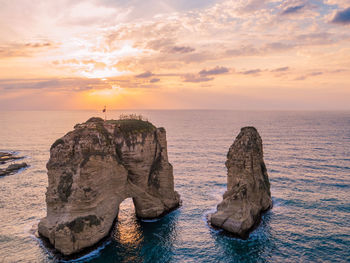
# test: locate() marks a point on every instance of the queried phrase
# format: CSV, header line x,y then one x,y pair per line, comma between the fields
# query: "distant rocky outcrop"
x,y
92,169
6,157
248,187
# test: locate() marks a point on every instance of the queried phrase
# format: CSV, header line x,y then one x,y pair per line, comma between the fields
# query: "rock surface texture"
x,y
248,187
93,169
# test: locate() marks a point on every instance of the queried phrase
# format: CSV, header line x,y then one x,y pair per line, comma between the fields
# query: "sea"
x,y
307,155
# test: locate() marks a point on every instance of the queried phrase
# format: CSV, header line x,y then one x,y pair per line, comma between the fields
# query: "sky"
x,y
175,54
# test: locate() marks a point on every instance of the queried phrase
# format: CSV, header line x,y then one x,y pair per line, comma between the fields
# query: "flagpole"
x,y
105,111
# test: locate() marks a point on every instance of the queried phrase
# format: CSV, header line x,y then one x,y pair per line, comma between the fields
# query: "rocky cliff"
x,y
92,169
248,187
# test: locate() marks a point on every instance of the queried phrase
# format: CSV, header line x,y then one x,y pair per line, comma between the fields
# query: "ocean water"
x,y
307,155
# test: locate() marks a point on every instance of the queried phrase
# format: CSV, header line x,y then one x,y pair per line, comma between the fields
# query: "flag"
x,y
104,110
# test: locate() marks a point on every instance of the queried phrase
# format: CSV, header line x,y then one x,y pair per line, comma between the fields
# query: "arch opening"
x,y
127,230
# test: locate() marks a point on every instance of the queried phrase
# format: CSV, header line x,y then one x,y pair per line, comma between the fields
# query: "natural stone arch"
x,y
93,169
127,230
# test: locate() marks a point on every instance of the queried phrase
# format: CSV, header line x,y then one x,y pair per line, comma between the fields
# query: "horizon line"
x,y
183,109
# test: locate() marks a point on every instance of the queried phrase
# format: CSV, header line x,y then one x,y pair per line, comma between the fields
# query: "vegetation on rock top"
x,y
133,125
127,124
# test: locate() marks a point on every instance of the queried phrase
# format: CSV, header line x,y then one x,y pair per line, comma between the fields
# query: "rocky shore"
x,y
6,157
248,187
93,168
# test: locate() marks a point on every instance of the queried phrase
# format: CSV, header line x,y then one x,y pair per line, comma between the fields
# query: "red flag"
x,y
104,110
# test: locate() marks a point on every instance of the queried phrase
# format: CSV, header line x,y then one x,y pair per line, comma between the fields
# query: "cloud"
x,y
277,46
282,69
301,78
312,74
67,84
321,38
144,75
250,5
298,10
168,45
283,45
214,71
316,73
246,50
198,57
270,32
292,9
204,75
92,13
85,62
340,3
29,49
342,17
250,50
196,78
71,84
36,45
160,44
251,72
154,80
181,49
339,70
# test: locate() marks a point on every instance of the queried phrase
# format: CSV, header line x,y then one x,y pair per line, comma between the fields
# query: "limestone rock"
x,y
13,168
6,157
92,169
248,187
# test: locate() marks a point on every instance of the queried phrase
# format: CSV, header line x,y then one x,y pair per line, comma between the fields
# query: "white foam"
x,y
93,254
150,220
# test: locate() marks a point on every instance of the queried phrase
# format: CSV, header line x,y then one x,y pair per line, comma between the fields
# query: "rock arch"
x,y
94,168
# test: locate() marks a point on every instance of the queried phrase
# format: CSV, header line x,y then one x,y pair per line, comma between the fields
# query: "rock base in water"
x,y
93,169
248,187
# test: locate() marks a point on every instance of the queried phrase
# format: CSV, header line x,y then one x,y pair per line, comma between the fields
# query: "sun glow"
x,y
114,91
102,73
96,59
103,62
97,98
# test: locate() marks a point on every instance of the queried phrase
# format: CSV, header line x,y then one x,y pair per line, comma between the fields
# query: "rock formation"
x,y
92,169
6,157
248,187
13,168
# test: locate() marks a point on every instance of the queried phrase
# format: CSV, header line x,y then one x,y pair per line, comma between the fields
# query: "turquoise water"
x,y
308,160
